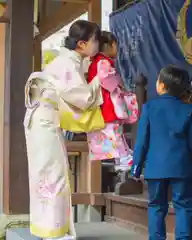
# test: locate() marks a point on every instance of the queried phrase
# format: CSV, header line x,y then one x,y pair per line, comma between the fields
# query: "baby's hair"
x,y
176,80
107,38
81,30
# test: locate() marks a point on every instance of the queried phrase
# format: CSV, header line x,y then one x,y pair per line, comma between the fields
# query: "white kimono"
x,y
50,194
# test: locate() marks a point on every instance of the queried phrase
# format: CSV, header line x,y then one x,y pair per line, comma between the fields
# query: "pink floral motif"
x,y
45,189
105,69
107,143
67,77
76,116
68,211
58,225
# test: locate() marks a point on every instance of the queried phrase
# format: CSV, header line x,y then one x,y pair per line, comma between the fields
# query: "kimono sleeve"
x,y
109,79
142,143
74,90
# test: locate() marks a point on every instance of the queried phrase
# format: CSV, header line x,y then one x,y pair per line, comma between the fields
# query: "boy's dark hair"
x,y
176,80
81,30
107,38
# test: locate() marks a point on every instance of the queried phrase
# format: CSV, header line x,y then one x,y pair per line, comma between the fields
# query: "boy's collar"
x,y
166,95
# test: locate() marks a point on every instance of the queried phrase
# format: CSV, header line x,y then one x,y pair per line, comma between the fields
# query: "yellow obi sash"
x,y
76,120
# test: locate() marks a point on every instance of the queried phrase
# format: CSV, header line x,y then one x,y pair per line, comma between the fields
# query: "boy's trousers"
x,y
181,190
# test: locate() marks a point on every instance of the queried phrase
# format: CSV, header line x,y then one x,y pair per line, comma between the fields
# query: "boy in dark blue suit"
x,y
164,148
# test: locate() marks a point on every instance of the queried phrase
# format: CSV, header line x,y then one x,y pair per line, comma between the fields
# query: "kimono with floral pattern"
x,y
45,92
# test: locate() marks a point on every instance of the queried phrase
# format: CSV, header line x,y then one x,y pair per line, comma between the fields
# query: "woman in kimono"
x,y
61,80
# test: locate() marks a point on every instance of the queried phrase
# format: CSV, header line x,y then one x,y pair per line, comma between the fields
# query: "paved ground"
x,y
85,231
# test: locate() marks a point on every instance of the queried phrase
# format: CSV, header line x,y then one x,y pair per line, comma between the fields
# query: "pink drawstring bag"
x,y
125,105
132,107
124,102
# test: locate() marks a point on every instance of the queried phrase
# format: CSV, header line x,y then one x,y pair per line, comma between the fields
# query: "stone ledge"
x,y
12,221
20,234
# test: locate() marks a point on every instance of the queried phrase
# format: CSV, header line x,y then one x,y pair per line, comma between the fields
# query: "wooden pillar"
x,y
18,63
94,171
37,54
2,66
128,186
118,4
141,91
94,11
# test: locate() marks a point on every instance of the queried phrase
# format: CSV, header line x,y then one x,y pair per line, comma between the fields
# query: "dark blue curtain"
x,y
146,34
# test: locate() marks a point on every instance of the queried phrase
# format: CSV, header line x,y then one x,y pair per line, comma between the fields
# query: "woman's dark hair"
x,y
176,80
81,30
107,38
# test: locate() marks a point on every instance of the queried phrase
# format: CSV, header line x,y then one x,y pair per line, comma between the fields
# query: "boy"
x,y
164,148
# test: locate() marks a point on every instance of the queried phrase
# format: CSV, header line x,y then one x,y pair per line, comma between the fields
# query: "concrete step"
x,y
85,231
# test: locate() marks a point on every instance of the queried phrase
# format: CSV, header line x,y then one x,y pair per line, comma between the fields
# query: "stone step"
x,y
85,231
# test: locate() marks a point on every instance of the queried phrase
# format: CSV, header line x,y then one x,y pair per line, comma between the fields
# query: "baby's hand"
x,y
136,179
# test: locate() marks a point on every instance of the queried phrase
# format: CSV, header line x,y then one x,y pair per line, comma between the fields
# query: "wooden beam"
x,y
66,14
77,146
93,199
4,19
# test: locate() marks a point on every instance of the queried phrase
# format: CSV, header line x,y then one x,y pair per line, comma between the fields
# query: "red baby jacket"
x,y
107,107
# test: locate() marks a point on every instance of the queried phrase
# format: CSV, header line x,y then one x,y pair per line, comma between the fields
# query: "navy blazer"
x,y
164,139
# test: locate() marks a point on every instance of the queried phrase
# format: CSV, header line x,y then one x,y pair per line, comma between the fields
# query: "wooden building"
x,y
20,53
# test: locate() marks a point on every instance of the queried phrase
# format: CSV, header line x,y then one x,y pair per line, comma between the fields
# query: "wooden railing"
x,y
84,176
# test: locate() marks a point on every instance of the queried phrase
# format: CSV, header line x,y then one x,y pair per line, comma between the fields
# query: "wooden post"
x,y
94,174
141,91
2,67
18,63
118,4
94,11
37,55
93,169
127,186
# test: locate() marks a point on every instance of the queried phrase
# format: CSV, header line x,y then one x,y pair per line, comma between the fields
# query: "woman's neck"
x,y
78,52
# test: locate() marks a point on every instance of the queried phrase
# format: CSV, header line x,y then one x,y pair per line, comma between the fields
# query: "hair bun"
x,y
70,43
